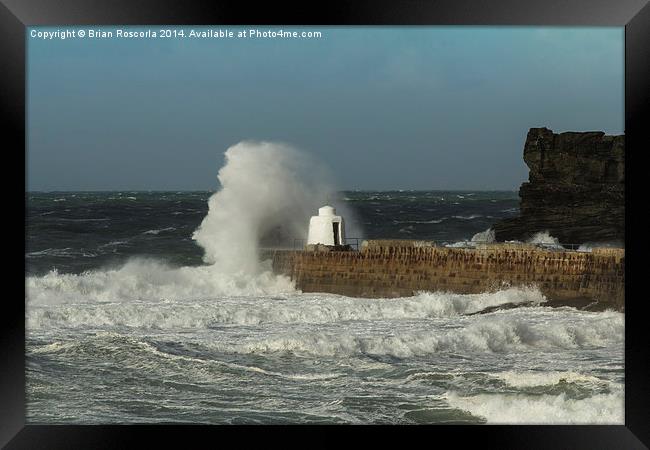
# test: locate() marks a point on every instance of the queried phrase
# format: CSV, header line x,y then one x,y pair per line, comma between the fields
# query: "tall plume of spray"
x,y
264,185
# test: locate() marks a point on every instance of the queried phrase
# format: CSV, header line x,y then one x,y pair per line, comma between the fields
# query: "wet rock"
x,y
575,190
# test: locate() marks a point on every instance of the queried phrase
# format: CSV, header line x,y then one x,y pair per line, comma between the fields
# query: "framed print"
x,y
371,214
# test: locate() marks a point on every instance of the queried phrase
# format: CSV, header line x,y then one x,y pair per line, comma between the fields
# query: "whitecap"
x,y
158,231
601,409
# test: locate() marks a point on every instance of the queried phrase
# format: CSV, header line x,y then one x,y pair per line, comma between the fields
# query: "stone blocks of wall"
x,y
385,271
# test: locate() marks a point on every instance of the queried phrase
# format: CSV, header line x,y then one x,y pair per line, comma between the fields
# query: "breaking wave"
x,y
493,334
279,306
141,279
501,332
605,408
264,186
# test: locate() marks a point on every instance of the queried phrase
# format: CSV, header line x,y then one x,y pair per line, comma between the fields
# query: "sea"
x,y
128,320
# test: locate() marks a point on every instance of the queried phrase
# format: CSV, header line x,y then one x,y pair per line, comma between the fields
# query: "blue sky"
x,y
382,107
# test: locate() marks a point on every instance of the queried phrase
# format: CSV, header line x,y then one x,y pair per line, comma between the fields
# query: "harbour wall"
x,y
589,280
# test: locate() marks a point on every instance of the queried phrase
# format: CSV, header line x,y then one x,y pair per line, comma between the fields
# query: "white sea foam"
x,y
283,307
141,279
606,408
530,378
158,231
470,217
114,244
490,334
501,333
61,252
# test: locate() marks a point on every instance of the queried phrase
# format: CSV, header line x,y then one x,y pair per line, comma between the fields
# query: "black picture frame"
x,y
634,15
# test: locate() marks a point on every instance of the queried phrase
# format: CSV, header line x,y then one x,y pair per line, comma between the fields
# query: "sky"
x,y
381,107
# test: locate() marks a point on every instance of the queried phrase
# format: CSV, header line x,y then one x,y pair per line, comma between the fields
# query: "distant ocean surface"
x,y
126,323
79,231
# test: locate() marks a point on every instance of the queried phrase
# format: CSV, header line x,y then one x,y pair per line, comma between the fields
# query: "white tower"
x,y
326,228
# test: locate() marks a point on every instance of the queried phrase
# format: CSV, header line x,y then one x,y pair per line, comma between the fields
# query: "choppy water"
x,y
126,324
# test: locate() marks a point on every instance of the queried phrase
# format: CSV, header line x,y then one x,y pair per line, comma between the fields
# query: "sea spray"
x,y
264,185
486,236
483,237
544,238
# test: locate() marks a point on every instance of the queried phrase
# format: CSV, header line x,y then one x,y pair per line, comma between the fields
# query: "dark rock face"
x,y
575,190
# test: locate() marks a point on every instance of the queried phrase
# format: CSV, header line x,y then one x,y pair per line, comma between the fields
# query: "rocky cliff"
x,y
575,189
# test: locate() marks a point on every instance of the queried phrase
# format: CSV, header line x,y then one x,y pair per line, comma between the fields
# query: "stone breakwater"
x,y
590,280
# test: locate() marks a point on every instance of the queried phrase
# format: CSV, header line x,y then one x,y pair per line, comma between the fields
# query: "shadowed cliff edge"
x,y
575,189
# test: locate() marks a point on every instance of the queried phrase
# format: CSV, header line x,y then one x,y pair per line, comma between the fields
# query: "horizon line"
x,y
216,190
